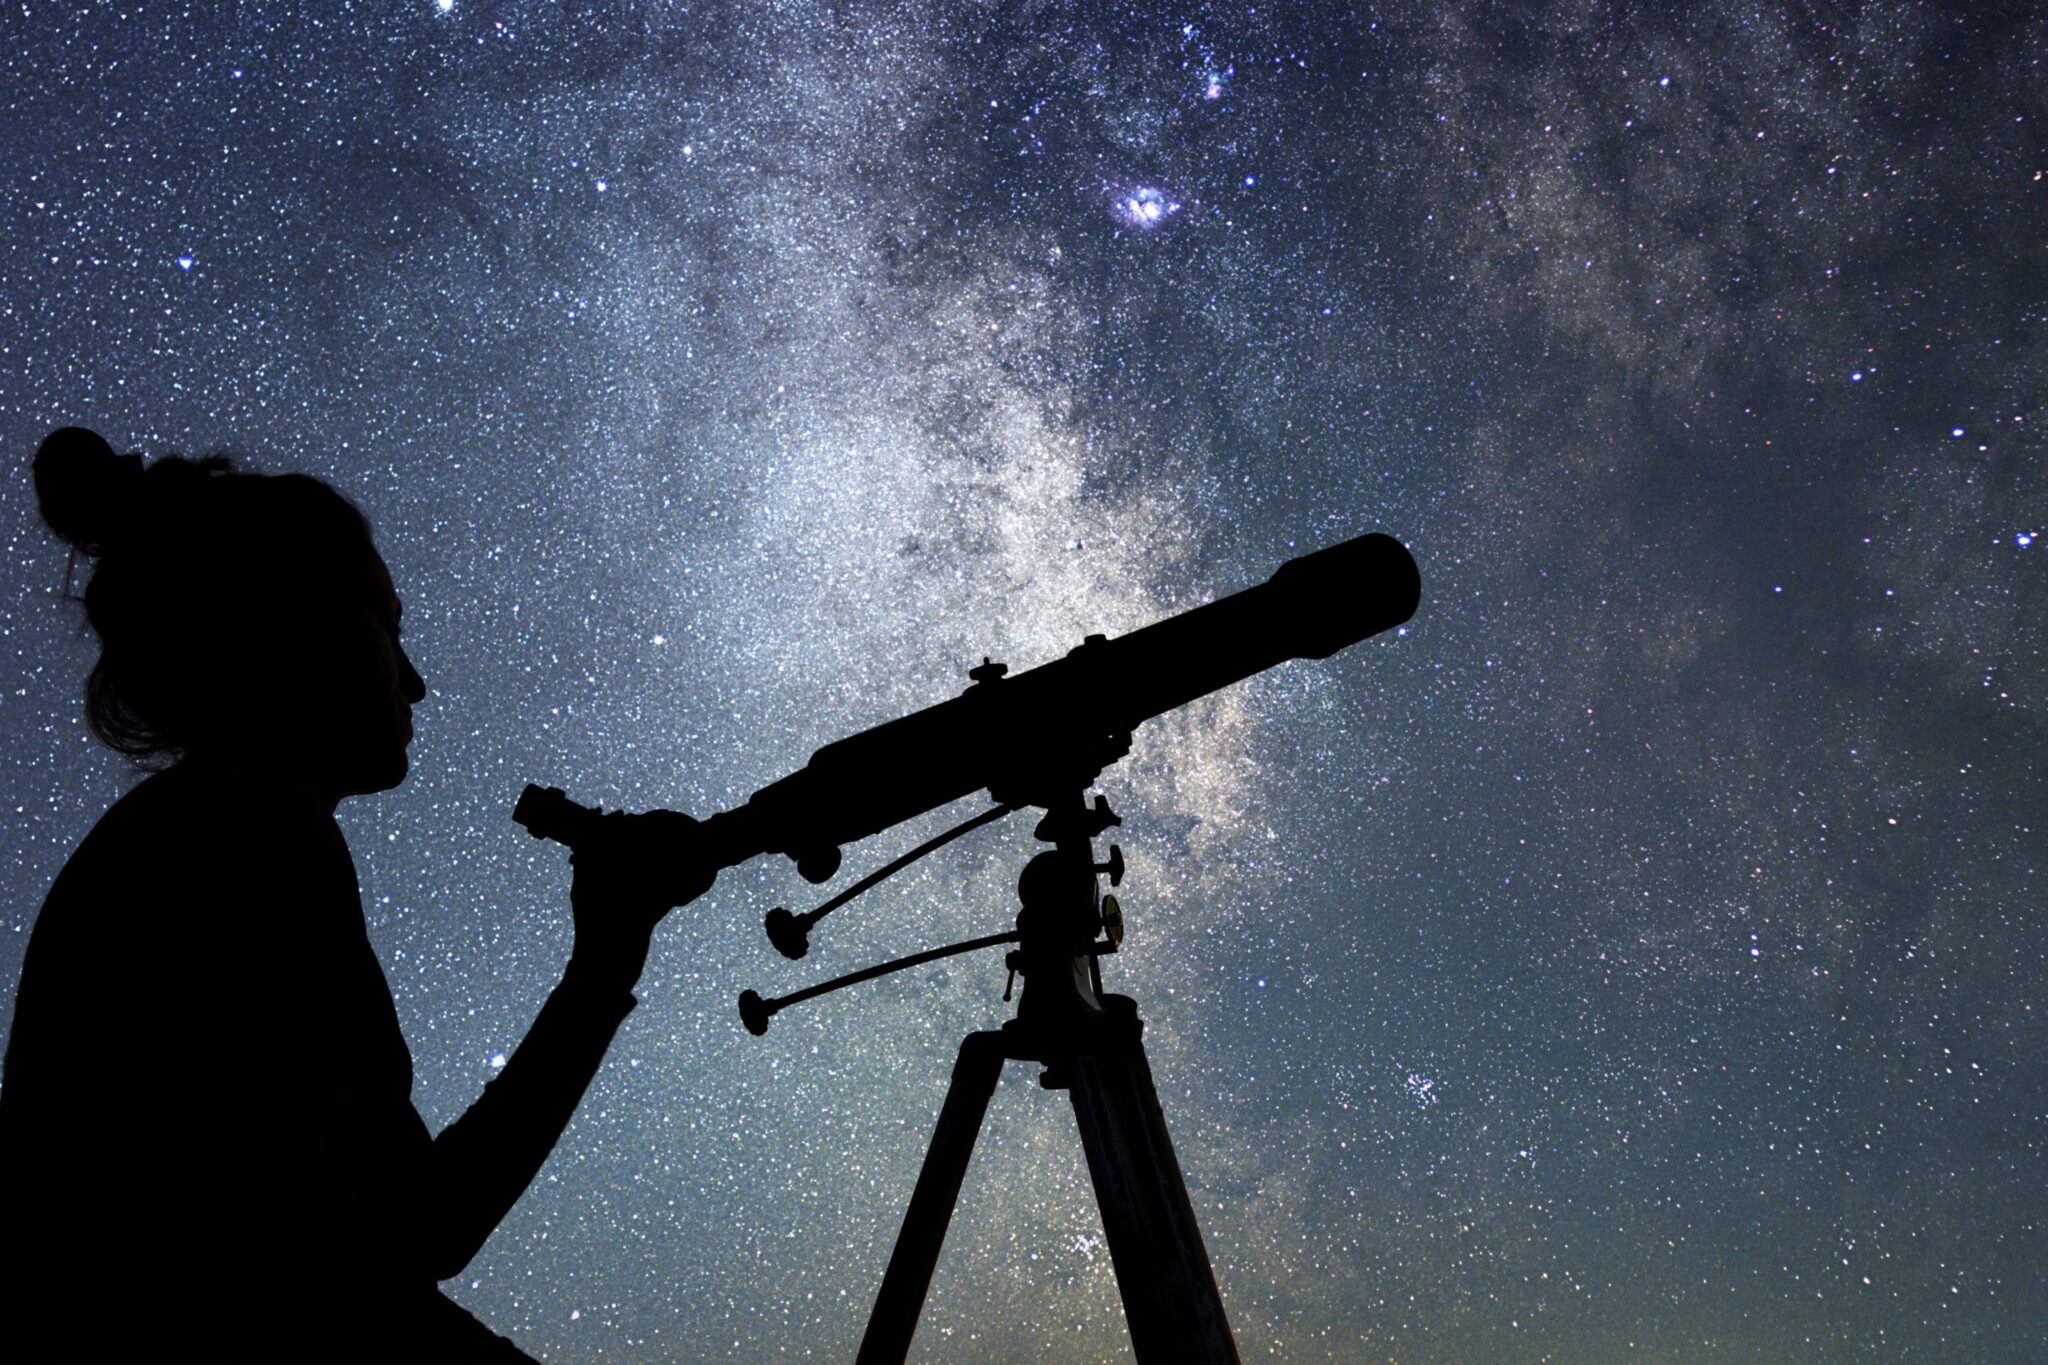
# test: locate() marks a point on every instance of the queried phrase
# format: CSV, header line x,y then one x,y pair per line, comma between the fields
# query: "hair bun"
x,y
86,491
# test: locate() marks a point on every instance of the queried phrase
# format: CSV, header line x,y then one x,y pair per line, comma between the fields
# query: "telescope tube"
x,y
1003,729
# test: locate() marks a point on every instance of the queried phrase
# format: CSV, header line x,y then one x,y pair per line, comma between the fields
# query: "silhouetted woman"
x,y
208,1148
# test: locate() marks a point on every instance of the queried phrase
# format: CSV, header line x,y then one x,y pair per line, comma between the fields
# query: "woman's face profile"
x,y
333,691
391,687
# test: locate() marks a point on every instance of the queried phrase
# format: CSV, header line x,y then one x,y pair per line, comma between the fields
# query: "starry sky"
x,y
1641,958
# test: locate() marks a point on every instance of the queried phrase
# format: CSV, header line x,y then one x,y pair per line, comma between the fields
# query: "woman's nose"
x,y
414,685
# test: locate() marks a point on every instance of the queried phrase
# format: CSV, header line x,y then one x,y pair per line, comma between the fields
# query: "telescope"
x,y
1014,735
1038,739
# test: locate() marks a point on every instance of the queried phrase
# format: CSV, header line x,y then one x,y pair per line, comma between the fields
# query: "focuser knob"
x,y
791,934
1115,866
754,1012
818,864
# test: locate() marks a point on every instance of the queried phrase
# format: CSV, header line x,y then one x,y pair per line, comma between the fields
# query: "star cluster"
x,y
1638,957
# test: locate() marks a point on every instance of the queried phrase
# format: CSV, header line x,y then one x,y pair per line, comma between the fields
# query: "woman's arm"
x,y
484,1161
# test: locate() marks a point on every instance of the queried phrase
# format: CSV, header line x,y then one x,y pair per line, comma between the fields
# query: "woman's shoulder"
x,y
196,830
217,802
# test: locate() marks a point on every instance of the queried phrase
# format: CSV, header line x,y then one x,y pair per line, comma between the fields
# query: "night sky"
x,y
1641,958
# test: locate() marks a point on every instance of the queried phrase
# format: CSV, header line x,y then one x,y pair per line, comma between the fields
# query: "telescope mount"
x,y
1089,1044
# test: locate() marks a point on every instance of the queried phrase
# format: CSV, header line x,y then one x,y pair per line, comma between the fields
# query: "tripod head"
x,y
1055,930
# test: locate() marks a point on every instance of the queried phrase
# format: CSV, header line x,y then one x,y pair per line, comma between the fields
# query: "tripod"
x,y
1090,1046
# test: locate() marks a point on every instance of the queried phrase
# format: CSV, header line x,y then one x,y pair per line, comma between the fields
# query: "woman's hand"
x,y
629,874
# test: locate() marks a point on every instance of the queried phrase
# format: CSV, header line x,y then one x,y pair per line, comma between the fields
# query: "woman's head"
x,y
239,614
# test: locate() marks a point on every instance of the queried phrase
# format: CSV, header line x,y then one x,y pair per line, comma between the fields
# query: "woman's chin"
x,y
380,778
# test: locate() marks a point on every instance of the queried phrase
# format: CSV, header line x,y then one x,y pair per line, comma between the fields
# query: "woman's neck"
x,y
266,768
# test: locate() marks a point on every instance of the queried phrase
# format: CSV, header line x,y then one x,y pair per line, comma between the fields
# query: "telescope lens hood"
x,y
1337,596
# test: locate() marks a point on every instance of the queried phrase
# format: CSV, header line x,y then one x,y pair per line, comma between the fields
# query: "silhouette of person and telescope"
x,y
208,1148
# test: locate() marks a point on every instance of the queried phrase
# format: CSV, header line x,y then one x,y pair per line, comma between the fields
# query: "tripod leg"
x,y
909,1277
1162,1268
